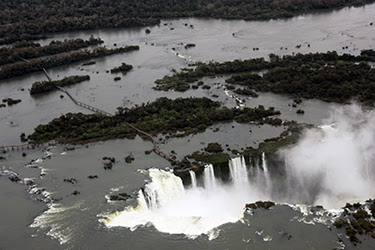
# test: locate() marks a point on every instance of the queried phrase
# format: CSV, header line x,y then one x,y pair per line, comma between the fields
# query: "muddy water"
x,y
73,220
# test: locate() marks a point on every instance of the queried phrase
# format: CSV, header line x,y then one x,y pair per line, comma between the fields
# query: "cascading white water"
x,y
172,209
165,203
266,173
238,172
328,167
210,181
193,178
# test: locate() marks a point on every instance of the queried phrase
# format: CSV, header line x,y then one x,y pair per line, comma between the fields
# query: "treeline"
x,y
327,76
22,68
28,50
45,86
178,117
22,19
181,81
336,79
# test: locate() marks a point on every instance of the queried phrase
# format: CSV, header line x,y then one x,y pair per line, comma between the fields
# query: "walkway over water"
x,y
96,110
82,104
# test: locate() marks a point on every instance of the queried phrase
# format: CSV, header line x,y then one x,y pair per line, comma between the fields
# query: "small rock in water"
x,y
75,192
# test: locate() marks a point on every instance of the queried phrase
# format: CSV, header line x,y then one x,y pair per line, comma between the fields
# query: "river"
x,y
74,221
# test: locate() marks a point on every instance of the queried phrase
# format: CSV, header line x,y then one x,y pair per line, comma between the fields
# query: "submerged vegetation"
x,y
29,20
178,117
45,86
326,76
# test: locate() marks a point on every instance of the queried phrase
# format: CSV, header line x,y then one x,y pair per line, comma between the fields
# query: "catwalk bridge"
x,y
94,109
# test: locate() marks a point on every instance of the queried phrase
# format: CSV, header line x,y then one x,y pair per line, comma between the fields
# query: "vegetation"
x,y
45,86
107,165
71,180
269,146
119,197
214,148
28,50
355,220
123,68
22,68
111,159
11,101
247,92
25,20
88,63
129,159
189,45
326,76
23,137
260,204
220,160
178,117
216,159
300,111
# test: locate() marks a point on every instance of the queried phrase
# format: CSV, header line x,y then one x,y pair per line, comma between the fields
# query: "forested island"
x,y
25,20
27,50
175,118
45,86
22,68
326,76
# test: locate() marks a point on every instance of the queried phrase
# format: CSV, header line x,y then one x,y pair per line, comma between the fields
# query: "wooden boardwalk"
x,y
20,147
82,104
96,110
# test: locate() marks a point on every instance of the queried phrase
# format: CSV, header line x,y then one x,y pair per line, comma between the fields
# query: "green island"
x,y
22,68
24,23
28,50
253,156
45,86
176,118
122,68
326,76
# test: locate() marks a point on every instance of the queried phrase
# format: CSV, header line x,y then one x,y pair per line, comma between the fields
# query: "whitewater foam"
x,y
170,208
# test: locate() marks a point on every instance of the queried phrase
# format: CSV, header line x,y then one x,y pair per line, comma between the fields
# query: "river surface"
x,y
74,221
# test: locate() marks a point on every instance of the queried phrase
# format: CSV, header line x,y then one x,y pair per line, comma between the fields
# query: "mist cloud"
x,y
335,163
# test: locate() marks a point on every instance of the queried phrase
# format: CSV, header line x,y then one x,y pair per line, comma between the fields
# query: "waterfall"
x,y
170,208
209,177
193,179
238,172
163,188
265,172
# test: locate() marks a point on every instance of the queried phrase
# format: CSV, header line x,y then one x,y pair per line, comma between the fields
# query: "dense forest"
x,y
178,117
27,20
326,76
